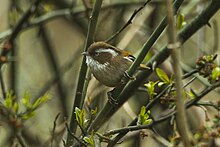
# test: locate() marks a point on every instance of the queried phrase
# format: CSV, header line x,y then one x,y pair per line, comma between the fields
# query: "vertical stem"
x,y
13,71
2,84
175,55
80,90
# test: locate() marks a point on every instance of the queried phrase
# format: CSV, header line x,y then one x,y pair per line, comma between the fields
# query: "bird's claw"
x,y
111,98
128,76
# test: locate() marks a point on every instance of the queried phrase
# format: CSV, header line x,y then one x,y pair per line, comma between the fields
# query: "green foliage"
x,y
13,106
31,107
151,89
208,68
94,111
215,74
28,115
165,80
143,117
26,100
180,21
191,94
90,140
163,77
40,101
9,100
80,117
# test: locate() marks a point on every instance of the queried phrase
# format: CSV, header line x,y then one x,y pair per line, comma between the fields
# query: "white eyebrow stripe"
x,y
128,59
108,50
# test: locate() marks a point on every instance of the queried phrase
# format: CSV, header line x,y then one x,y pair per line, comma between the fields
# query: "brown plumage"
x,y
108,63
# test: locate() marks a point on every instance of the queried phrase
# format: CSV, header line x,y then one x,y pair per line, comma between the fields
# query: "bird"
x,y
108,63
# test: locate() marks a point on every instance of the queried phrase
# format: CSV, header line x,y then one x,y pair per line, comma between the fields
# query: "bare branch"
x,y
128,22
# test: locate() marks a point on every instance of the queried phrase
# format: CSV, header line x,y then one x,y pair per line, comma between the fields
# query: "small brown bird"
x,y
108,63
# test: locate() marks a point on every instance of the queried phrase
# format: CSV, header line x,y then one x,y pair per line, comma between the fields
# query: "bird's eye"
x,y
96,54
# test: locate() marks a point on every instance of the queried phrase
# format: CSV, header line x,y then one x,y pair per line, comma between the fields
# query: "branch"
x,y
35,22
161,119
128,22
120,91
181,119
9,45
54,128
80,90
21,140
159,58
208,103
73,136
18,27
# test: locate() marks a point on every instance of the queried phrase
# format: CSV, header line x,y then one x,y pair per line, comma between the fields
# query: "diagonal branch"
x,y
201,20
125,130
120,92
128,22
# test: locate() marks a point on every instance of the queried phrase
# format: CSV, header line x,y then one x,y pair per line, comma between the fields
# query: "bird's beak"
x,y
85,53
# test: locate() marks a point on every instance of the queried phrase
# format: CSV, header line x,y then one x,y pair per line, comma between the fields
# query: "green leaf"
x,y
90,140
41,100
9,99
26,100
143,110
15,107
151,88
180,21
28,115
80,117
94,111
8,102
143,117
163,76
191,94
216,73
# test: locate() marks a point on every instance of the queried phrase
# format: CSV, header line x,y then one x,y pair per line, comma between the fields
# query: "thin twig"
x,y
54,128
72,135
21,140
190,81
103,137
82,129
208,103
87,7
128,22
35,22
18,27
11,41
190,73
129,128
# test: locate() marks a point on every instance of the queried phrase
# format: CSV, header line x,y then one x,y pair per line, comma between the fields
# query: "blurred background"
x,y
48,59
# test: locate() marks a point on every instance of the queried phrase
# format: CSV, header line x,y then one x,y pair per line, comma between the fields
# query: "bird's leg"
x,y
111,99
